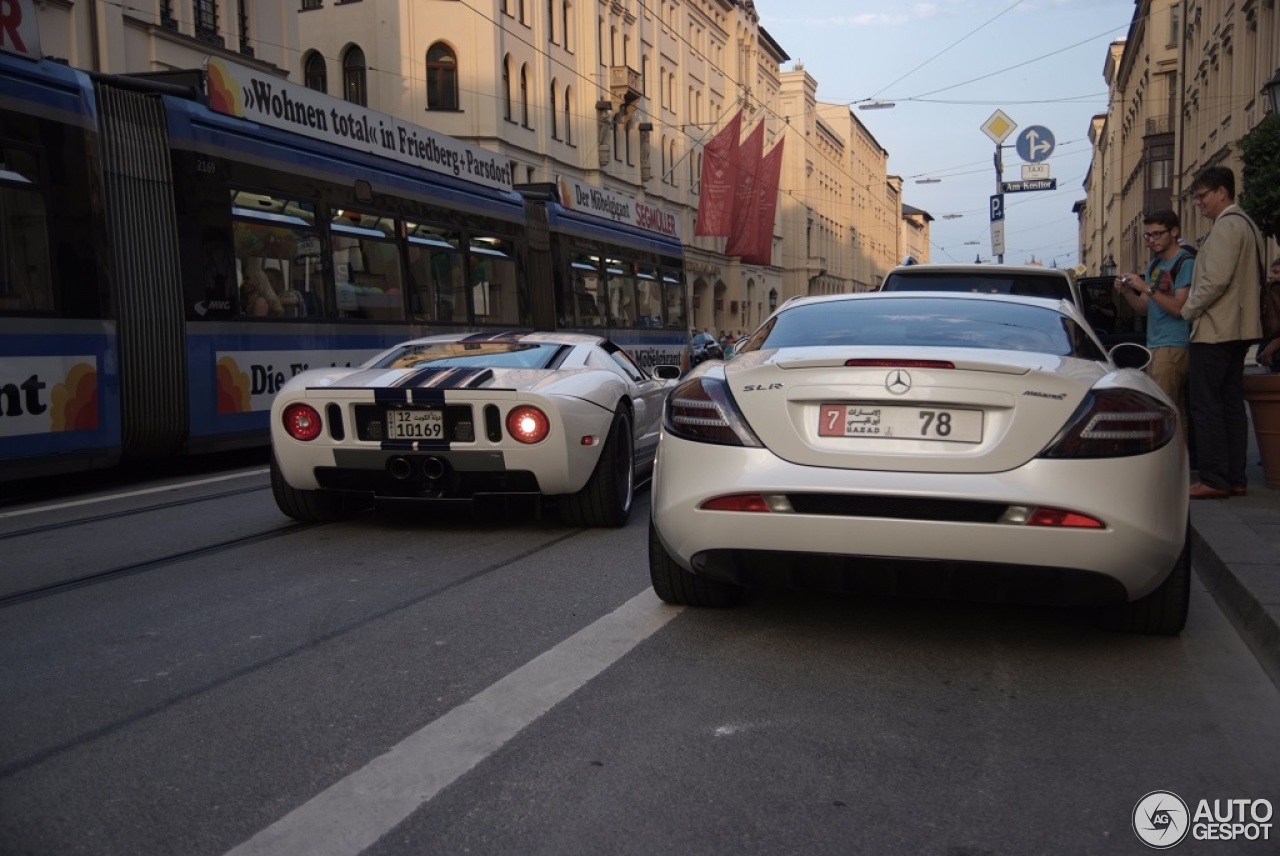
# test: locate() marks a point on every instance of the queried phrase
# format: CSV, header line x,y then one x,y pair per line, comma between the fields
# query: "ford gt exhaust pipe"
x,y
434,468
400,468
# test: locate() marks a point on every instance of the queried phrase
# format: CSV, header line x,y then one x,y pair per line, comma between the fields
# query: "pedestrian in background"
x,y
1159,295
1223,308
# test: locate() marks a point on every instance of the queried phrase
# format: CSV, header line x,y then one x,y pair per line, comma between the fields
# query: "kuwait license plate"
x,y
416,423
900,423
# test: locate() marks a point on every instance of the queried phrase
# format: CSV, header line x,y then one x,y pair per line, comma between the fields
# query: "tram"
x,y
173,250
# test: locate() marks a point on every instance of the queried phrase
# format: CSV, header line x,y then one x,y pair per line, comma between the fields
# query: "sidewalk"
x,y
1236,552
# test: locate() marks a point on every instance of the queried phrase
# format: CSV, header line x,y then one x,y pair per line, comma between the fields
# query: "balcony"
x,y
625,84
1158,125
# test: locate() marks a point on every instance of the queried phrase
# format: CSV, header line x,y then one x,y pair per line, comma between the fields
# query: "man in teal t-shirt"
x,y
1159,295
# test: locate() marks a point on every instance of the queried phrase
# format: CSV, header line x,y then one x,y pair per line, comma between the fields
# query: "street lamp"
x,y
877,105
952,216
1272,90
928,180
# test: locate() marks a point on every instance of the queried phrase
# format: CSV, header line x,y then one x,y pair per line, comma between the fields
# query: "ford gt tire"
x,y
1161,613
606,498
673,584
312,506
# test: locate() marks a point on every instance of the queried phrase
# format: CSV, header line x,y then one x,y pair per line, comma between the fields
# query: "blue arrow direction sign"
x,y
1019,186
997,207
1035,144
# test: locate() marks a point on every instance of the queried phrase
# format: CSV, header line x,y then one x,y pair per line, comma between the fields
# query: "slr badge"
x,y
898,382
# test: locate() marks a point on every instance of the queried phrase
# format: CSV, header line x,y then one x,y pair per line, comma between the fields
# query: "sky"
x,y
947,66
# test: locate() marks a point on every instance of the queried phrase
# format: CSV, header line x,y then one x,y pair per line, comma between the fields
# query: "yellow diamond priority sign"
x,y
998,127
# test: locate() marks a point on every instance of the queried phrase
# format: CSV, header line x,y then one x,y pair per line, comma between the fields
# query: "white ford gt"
x,y
459,417
965,445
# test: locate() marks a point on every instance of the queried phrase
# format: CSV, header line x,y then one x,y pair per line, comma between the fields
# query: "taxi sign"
x,y
1033,171
998,127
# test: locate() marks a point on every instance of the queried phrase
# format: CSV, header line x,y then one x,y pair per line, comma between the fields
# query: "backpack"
x,y
1187,254
1268,293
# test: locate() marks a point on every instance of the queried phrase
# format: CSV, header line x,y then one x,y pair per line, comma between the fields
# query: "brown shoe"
x,y
1238,490
1203,491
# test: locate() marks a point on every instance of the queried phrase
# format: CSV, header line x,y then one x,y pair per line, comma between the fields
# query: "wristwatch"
x,y
1151,291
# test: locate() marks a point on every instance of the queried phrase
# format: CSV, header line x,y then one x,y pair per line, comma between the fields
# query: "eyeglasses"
x,y
1151,236
1199,197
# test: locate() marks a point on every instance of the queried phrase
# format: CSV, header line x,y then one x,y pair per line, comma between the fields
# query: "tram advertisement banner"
x,y
248,94
42,394
618,207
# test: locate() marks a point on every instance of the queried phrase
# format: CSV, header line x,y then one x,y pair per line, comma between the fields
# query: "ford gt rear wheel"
x,y
606,498
1164,611
674,584
312,506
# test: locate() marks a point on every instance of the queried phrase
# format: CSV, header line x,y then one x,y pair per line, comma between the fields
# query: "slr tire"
x,y
673,584
1161,613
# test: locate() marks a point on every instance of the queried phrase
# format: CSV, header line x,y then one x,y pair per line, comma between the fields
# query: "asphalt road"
x,y
185,671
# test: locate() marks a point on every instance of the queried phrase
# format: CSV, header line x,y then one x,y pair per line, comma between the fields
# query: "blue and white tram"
x,y
166,266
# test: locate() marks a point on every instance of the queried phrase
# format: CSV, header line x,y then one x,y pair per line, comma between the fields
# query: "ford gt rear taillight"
x,y
302,422
528,424
1114,423
703,411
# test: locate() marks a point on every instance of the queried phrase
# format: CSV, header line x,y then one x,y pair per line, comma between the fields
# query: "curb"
x,y
1240,570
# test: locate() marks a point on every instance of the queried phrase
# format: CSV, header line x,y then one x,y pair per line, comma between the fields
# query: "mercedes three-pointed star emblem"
x,y
898,382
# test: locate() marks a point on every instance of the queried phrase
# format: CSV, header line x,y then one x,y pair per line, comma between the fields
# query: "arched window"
x,y
506,87
353,72
524,95
442,78
314,73
568,117
555,118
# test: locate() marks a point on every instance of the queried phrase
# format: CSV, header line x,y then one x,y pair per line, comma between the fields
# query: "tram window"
x,y
586,306
495,292
648,297
26,282
621,288
366,266
436,274
673,293
278,261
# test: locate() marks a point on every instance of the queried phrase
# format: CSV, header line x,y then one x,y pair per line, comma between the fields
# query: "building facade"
x,y
1185,85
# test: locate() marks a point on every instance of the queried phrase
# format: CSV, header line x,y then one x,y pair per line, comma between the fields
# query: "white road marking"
x,y
355,812
115,496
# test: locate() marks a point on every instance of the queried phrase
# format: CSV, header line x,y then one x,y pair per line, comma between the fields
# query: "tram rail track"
x,y
129,512
97,577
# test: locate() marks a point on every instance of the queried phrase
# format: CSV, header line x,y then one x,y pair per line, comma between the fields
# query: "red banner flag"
x,y
719,181
767,193
746,210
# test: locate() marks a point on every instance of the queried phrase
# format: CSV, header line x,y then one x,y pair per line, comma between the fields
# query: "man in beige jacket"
x,y
1223,309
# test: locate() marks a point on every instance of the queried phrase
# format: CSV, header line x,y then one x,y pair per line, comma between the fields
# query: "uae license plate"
x,y
416,423
947,424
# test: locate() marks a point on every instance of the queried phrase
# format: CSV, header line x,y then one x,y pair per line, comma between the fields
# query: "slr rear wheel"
x,y
673,584
1161,613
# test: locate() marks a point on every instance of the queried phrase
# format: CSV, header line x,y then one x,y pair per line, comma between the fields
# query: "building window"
x,y
243,9
506,87
555,118
551,21
442,78
524,95
206,21
1175,23
311,4
565,33
524,18
353,77
314,74
568,119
